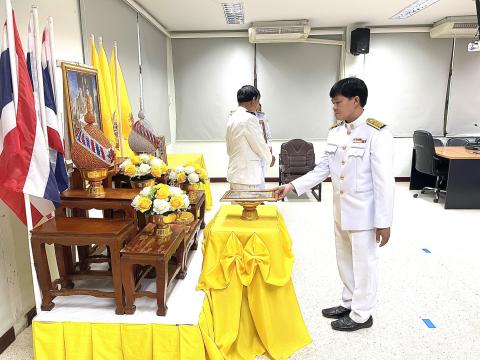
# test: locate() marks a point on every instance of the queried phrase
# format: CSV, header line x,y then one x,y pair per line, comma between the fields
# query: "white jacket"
x,y
246,148
359,159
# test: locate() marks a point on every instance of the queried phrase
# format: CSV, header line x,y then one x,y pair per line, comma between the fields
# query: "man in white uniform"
x,y
246,146
358,157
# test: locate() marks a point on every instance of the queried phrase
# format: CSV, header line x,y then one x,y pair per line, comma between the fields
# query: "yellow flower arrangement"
x,y
161,199
143,167
187,174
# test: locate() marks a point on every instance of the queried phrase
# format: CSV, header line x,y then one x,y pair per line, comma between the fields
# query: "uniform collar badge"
x,y
359,141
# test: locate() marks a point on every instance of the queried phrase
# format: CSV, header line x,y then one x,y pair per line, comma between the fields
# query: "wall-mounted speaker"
x,y
360,41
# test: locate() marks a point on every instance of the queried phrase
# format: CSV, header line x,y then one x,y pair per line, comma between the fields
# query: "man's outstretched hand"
x,y
283,190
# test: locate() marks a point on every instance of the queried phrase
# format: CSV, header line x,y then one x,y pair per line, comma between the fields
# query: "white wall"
x,y
16,287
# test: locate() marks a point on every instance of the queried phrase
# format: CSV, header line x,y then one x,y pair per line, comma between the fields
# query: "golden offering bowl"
x,y
249,210
185,217
95,178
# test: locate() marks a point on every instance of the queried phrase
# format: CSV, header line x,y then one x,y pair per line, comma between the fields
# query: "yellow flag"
x,y
106,117
125,107
110,97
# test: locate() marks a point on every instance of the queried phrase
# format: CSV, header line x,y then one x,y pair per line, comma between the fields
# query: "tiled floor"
x,y
442,285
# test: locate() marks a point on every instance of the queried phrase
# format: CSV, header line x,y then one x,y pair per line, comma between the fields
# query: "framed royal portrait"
x,y
80,82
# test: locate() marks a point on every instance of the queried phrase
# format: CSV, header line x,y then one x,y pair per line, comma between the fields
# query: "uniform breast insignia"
x,y
359,141
336,125
375,124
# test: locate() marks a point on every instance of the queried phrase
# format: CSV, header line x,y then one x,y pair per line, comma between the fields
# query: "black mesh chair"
x,y
297,157
457,142
427,162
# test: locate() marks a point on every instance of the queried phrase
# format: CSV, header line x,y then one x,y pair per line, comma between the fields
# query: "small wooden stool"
x,y
146,249
198,206
79,231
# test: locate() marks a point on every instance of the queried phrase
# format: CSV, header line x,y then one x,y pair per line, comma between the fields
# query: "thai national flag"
x,y
24,153
55,142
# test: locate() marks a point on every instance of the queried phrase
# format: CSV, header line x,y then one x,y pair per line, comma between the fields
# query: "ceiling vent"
x,y
279,31
458,27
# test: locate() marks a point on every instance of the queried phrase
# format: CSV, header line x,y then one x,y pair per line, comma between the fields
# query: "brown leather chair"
x,y
297,157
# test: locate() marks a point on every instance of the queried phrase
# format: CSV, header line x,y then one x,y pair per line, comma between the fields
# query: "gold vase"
x,y
95,178
190,189
162,230
140,184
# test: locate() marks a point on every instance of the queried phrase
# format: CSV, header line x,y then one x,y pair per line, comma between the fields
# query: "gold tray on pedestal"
x,y
249,200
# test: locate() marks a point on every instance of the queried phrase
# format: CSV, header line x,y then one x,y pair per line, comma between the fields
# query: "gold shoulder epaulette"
x,y
337,124
376,124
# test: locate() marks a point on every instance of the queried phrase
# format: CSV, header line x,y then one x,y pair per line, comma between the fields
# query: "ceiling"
x,y
207,15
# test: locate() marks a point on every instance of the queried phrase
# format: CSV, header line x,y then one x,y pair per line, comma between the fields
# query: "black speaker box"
x,y
360,41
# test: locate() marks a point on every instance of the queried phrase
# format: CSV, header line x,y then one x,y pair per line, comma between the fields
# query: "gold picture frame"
x,y
79,82
249,196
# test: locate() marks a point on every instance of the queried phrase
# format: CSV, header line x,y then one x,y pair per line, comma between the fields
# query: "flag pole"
x,y
28,210
38,65
119,105
56,89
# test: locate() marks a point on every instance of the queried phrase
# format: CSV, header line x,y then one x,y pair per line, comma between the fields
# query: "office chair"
x,y
297,157
457,142
428,163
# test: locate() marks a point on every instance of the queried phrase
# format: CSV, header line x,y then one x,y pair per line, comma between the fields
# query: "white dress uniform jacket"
x,y
246,148
359,159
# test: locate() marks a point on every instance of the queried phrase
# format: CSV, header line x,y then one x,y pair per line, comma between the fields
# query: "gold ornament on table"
x,y
189,178
92,153
163,203
143,170
249,200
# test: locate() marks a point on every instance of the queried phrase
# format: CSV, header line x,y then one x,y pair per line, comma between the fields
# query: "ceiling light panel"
x,y
413,8
233,13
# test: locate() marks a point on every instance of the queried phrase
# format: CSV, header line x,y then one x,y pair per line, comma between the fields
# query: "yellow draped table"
x,y
195,160
252,307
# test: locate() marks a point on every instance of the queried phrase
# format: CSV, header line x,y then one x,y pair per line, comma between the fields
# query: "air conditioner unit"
x,y
279,31
455,26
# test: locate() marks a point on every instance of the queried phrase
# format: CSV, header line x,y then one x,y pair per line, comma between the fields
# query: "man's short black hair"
x,y
247,93
351,87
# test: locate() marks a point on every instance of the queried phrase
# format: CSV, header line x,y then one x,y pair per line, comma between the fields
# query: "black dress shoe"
x,y
335,312
347,324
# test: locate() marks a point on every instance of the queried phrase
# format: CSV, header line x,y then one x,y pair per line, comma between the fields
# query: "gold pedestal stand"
x,y
249,210
95,178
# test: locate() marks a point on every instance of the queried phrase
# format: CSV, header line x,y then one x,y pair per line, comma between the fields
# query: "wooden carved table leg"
x,y
43,274
161,267
202,215
63,256
128,281
181,258
117,276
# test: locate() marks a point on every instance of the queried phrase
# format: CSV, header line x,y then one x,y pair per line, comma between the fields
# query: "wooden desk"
x,y
67,232
145,249
463,183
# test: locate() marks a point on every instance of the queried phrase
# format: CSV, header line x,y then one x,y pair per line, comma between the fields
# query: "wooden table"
x,y
79,231
146,249
463,183
115,203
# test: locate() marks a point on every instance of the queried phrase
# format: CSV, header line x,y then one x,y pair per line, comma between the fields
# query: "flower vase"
x,y
140,184
162,229
191,190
